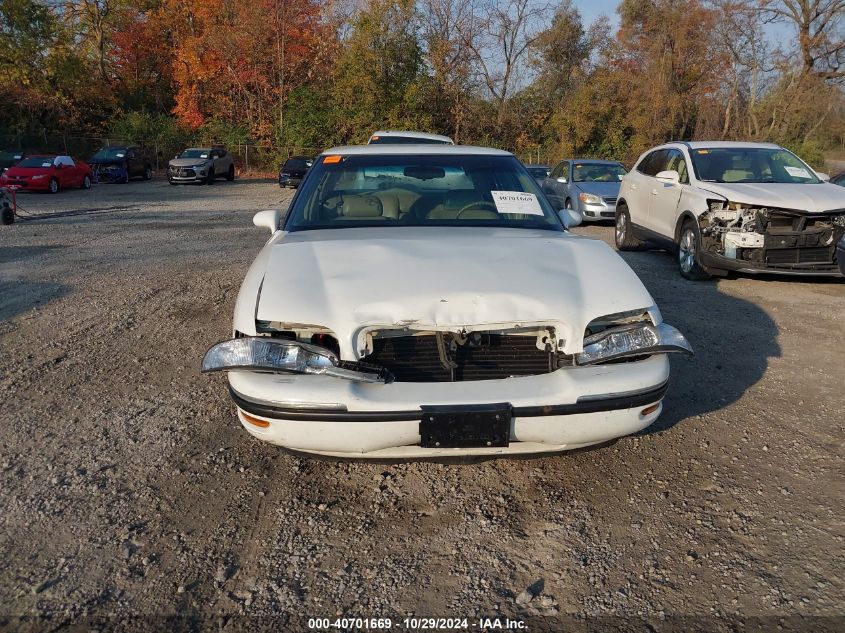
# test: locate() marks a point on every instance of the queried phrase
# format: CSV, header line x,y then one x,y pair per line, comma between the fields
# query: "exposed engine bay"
x,y
776,238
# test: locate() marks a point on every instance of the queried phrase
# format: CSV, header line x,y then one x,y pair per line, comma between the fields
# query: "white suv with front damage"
x,y
428,301
748,207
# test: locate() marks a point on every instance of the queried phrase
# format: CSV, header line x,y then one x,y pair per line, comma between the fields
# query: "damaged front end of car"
x,y
751,238
421,354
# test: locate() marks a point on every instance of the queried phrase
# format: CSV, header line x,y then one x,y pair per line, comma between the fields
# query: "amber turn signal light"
x,y
650,410
253,420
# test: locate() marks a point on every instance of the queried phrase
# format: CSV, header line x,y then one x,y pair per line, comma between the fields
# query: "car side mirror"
x,y
570,217
268,219
669,176
822,176
57,166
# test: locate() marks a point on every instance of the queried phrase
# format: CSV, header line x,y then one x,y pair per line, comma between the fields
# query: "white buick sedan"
x,y
428,301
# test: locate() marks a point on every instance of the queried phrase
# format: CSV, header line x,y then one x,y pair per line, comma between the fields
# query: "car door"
x,y
66,173
220,162
559,184
638,185
549,182
133,163
663,211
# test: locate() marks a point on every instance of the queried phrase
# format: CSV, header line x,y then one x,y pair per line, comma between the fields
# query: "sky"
x,y
591,9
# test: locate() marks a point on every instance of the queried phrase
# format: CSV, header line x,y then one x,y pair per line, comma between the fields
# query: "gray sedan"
x,y
586,185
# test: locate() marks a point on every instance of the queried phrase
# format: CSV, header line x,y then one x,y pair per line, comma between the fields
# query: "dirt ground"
x,y
130,497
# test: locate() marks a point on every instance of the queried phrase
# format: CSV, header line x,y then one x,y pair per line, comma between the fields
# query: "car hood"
x,y
188,162
601,189
446,278
816,198
26,172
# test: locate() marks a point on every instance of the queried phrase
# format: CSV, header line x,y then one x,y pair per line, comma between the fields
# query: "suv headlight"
x,y
632,340
276,355
589,198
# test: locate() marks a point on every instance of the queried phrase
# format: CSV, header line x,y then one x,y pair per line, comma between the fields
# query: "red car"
x,y
48,173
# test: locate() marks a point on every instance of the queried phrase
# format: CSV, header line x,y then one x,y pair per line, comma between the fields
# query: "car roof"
x,y
594,161
536,165
413,134
396,150
201,149
721,144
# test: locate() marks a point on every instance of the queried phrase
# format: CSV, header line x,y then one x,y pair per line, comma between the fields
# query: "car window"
x,y
556,171
751,165
653,163
676,162
597,172
420,190
36,161
194,153
65,161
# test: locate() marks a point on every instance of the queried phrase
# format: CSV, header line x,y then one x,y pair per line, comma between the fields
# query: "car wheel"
x,y
230,175
689,248
86,182
8,216
210,179
624,233
54,185
148,173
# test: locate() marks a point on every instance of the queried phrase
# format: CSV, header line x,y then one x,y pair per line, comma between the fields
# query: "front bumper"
x,y
563,410
716,262
41,184
598,212
289,181
186,175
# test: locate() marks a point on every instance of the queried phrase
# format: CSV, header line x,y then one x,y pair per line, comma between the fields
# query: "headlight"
x,y
632,340
588,198
275,355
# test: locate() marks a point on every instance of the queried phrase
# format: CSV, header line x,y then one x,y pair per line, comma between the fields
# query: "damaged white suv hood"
x,y
813,198
348,280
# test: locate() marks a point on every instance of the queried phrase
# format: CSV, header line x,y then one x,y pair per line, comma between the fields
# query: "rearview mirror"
x,y
268,219
570,217
669,176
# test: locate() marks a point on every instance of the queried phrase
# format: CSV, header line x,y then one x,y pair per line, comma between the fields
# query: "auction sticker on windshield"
x,y
517,202
797,172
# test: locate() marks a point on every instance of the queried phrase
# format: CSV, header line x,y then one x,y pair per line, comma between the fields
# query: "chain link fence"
x,y
247,156
256,157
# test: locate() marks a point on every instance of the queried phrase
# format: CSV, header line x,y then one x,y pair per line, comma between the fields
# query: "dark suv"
x,y
293,171
119,163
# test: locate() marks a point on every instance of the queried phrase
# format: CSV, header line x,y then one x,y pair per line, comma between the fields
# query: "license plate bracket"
x,y
466,426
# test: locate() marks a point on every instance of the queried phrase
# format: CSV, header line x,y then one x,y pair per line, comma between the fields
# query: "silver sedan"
x,y
589,186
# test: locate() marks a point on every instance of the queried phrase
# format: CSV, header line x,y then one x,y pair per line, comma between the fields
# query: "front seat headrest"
x,y
362,207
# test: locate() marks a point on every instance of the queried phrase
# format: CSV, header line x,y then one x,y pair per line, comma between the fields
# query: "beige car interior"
x,y
396,203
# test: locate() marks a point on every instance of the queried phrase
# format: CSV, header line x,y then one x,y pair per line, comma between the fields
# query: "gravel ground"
x,y
132,499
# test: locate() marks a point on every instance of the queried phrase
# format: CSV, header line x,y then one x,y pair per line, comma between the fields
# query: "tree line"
x,y
526,75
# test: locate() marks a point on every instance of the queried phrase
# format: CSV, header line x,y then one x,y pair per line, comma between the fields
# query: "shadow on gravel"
x,y
17,297
733,340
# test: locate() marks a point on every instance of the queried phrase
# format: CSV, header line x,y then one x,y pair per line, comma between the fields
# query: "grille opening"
x,y
486,357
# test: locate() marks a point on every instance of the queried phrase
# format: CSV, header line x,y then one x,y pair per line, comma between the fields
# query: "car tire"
x,y
623,231
148,172
230,175
7,215
210,179
689,248
53,187
86,182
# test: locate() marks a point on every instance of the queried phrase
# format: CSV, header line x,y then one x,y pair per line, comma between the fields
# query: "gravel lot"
x,y
131,498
